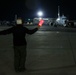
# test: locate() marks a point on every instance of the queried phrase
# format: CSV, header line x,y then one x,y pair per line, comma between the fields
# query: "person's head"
x,y
19,21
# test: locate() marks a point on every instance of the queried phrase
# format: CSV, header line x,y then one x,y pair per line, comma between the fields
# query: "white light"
x,y
40,13
58,19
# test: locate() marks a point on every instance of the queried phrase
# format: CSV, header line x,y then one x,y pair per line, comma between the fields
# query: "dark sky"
x,y
29,8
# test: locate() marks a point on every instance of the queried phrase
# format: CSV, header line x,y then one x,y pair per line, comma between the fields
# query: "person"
x,y
19,43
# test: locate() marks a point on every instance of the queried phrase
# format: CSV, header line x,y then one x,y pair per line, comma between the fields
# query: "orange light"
x,y
41,22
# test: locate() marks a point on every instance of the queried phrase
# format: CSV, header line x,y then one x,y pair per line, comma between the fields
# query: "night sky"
x,y
29,8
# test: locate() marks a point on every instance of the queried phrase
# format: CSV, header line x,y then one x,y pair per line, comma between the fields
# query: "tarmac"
x,y
49,52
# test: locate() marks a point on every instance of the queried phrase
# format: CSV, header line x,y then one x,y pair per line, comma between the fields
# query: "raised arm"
x,y
28,31
32,31
7,31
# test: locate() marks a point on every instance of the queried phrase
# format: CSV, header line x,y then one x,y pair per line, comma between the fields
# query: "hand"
x,y
38,26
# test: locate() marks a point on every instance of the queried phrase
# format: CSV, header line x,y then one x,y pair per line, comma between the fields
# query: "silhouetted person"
x,y
19,43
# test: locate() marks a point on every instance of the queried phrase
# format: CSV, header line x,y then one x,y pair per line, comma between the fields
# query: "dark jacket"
x,y
19,33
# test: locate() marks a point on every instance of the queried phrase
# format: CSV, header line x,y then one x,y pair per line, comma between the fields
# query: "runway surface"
x,y
49,52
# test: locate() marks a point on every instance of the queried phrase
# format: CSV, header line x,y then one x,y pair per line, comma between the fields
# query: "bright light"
x,y
58,19
40,13
41,22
